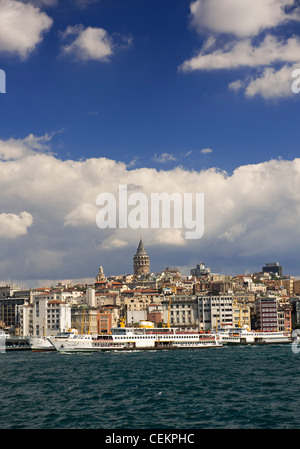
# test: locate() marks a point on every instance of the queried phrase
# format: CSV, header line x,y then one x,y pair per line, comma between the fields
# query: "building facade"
x,y
200,270
284,318
272,268
241,314
266,314
180,311
84,319
44,317
215,312
9,311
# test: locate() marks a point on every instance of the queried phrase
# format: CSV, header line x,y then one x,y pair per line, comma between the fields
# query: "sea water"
x,y
233,387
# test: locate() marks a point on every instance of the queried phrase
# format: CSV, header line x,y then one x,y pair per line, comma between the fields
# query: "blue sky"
x,y
154,101
138,103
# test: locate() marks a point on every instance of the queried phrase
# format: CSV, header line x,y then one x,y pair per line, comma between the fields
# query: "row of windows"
x,y
181,305
182,320
241,311
208,309
168,337
183,312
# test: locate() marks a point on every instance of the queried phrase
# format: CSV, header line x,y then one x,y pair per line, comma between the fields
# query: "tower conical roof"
x,y
141,249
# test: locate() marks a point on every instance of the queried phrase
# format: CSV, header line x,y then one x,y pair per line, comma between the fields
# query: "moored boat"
x,y
13,343
243,335
130,338
39,344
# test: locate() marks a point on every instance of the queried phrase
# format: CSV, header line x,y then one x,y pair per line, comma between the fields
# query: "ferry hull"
x,y
41,344
134,348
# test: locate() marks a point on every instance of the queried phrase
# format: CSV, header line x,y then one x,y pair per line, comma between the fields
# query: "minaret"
x,y
141,261
100,276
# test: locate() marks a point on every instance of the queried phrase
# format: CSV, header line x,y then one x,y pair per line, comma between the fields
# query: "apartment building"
x,y
84,319
215,311
241,314
180,311
284,317
44,317
9,311
266,314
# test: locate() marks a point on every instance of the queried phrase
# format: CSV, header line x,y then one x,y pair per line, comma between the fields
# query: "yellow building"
x,y
241,314
84,319
296,287
288,284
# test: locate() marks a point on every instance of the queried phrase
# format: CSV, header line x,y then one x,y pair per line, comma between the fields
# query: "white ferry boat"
x,y
10,342
129,338
273,337
242,335
39,344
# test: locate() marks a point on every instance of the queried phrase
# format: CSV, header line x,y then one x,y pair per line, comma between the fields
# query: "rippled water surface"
x,y
229,387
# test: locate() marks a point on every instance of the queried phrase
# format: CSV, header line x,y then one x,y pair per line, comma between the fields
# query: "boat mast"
x,y
82,319
168,322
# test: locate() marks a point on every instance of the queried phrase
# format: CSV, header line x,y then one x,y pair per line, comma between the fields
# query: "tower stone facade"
x,y
141,261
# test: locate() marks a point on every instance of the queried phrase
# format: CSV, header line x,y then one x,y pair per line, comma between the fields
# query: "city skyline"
x,y
160,97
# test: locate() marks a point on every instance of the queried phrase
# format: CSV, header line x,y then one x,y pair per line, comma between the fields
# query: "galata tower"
x,y
141,261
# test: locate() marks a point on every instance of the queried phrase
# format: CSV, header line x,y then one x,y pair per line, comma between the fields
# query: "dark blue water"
x,y
231,387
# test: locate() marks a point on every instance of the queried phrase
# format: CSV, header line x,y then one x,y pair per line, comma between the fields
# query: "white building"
x,y
261,288
215,311
69,296
25,312
44,317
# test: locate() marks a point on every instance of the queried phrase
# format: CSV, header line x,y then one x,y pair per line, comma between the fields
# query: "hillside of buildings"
x,y
266,300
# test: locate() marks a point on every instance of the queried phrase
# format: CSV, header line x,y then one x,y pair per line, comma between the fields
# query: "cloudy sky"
x,y
162,96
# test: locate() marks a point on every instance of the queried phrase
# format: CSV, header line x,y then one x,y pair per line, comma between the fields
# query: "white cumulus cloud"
x,y
89,43
22,27
272,83
242,34
240,17
14,225
244,53
251,215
